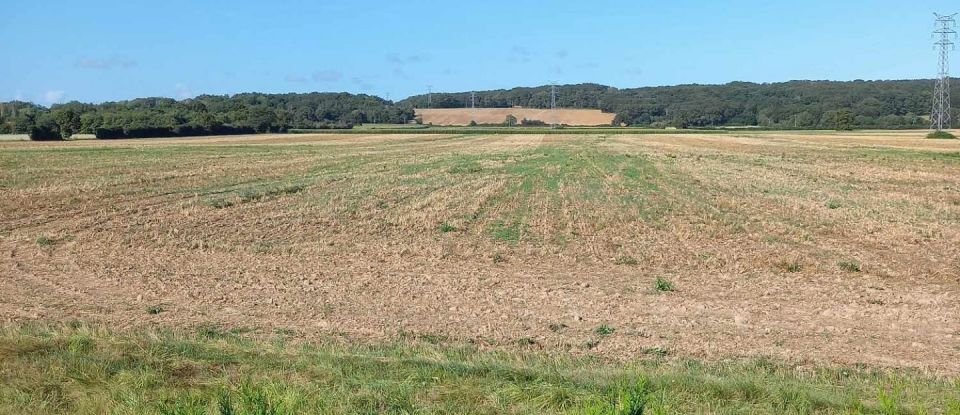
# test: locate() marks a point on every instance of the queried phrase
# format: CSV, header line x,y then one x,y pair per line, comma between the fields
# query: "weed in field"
x,y
626,260
658,352
506,232
833,204
889,401
433,338
591,344
284,332
44,240
262,247
525,341
255,195
790,266
221,203
604,330
155,309
557,327
326,311
446,228
499,258
662,285
471,166
849,266
211,331
630,399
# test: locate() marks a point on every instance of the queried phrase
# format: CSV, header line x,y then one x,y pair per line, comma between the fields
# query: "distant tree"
x,y
843,120
472,123
68,121
510,121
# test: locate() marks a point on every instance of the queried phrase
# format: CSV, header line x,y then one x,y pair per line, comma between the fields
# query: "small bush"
x,y
532,123
833,204
663,285
499,259
156,309
941,135
45,241
446,228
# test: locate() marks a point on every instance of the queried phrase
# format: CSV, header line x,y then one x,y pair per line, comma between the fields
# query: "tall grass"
x,y
88,369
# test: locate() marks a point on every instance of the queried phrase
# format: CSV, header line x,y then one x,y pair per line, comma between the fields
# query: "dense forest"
x,y
795,104
203,115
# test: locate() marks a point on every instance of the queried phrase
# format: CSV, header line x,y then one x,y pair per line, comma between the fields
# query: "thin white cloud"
x,y
397,59
519,54
104,64
362,84
327,76
53,96
296,79
183,91
399,73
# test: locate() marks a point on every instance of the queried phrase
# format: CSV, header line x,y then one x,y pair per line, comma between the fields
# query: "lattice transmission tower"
x,y
553,104
945,34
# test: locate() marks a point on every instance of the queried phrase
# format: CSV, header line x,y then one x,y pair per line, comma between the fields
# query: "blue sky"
x,y
58,50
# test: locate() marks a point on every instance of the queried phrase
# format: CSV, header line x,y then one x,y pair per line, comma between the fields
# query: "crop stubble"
x,y
342,235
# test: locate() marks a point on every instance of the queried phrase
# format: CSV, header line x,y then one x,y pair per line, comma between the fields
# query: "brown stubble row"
x,y
359,250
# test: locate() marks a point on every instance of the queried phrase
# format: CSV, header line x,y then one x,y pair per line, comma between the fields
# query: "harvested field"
x,y
463,116
808,248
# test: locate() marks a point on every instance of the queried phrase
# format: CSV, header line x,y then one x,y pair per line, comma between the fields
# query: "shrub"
x,y
941,135
45,133
532,123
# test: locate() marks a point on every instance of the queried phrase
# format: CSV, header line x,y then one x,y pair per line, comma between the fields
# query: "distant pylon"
x,y
940,117
429,96
553,104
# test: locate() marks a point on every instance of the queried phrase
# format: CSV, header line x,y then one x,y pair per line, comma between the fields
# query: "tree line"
x,y
787,105
204,115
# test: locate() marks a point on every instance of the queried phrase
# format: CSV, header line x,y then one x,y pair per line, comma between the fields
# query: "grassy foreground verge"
x,y
84,369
